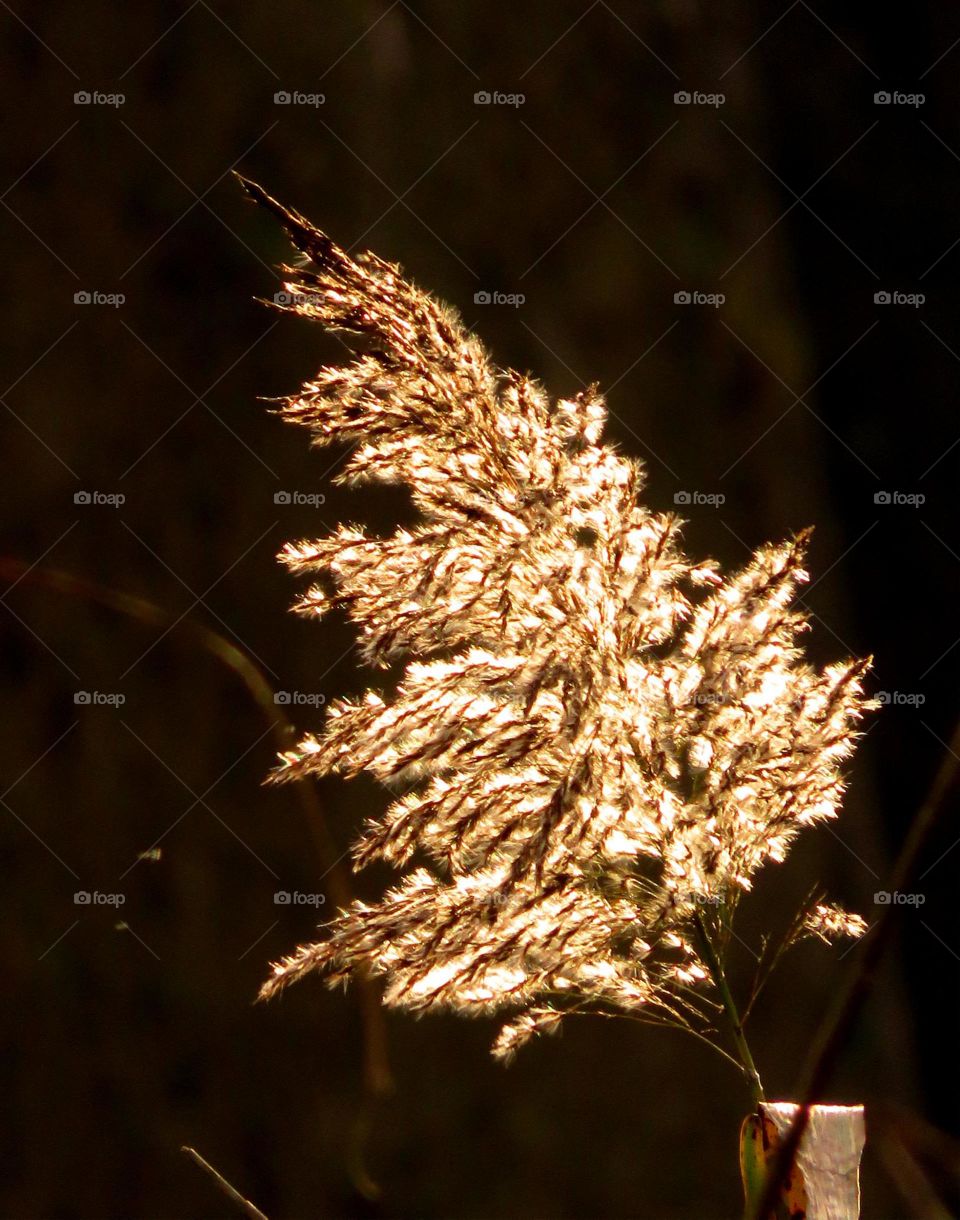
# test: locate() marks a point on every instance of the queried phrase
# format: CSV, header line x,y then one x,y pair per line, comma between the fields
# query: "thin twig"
x,y
244,1204
684,1028
838,1022
377,1077
774,950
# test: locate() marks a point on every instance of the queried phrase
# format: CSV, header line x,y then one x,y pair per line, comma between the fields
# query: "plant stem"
x,y
719,977
231,1192
839,1021
377,1077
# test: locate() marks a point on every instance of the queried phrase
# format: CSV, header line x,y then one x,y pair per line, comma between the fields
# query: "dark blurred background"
x,y
785,185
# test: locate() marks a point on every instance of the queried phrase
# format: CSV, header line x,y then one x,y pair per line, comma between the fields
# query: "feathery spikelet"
x,y
595,735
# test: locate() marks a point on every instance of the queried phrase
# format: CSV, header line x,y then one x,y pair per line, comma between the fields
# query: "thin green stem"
x,y
717,973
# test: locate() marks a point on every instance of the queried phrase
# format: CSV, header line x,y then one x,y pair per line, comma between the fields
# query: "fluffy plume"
x,y
596,739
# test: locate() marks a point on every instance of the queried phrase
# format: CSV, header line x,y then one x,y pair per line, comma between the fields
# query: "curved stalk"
x,y
377,1076
717,973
